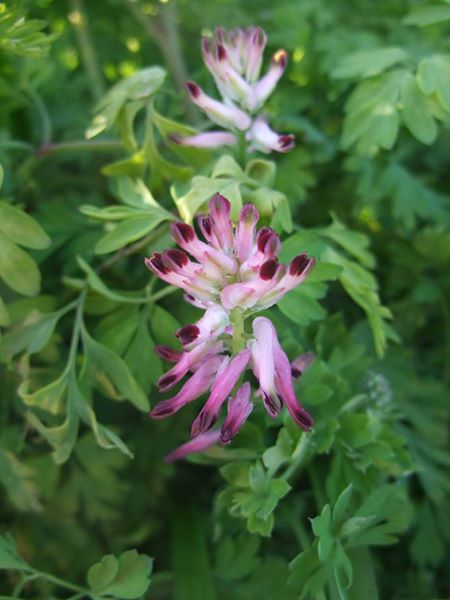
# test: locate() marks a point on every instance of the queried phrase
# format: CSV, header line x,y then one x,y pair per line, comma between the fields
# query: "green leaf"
x,y
261,171
18,269
140,85
433,77
321,527
17,480
32,335
367,63
416,114
115,368
428,15
9,557
201,190
129,231
372,119
97,284
4,314
21,228
341,505
103,573
111,213
49,397
193,576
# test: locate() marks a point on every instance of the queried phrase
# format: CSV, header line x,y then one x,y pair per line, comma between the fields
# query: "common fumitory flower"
x,y
234,60
231,275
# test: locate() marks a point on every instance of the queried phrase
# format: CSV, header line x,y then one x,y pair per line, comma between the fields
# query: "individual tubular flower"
x,y
234,60
231,275
265,139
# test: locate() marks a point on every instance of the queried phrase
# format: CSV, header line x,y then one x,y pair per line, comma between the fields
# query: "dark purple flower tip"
x,y
268,241
168,353
268,269
259,37
249,213
301,363
302,418
206,45
280,58
157,263
163,409
220,34
286,142
300,264
204,222
220,205
272,407
174,138
221,52
193,89
263,235
166,381
179,257
204,421
183,231
188,334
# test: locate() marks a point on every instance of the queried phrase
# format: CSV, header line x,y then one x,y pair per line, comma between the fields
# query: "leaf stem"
x,y
89,58
80,146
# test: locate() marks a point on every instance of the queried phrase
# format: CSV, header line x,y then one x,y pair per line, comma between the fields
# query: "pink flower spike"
x,y
301,363
208,139
245,231
233,84
239,408
185,236
194,387
220,210
198,444
225,115
257,40
264,139
223,385
266,85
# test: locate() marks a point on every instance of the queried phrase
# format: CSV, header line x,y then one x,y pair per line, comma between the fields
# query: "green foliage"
x,y
92,176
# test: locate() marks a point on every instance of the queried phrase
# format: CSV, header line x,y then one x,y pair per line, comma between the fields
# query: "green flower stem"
x,y
163,293
80,146
238,339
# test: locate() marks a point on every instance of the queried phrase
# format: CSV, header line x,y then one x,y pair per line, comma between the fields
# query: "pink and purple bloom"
x,y
232,275
234,60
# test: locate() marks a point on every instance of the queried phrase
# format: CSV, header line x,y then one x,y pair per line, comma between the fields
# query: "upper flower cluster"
x,y
234,60
235,274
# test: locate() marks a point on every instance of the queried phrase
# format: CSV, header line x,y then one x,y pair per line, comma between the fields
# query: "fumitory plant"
x,y
224,326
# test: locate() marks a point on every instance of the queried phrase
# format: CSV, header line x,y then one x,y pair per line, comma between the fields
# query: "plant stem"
x,y
88,55
238,339
164,31
62,582
163,293
43,114
80,146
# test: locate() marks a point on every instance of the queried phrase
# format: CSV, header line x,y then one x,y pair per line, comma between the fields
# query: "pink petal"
x,y
198,444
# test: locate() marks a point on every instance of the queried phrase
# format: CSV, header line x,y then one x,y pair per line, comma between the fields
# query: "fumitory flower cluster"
x,y
231,275
234,60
